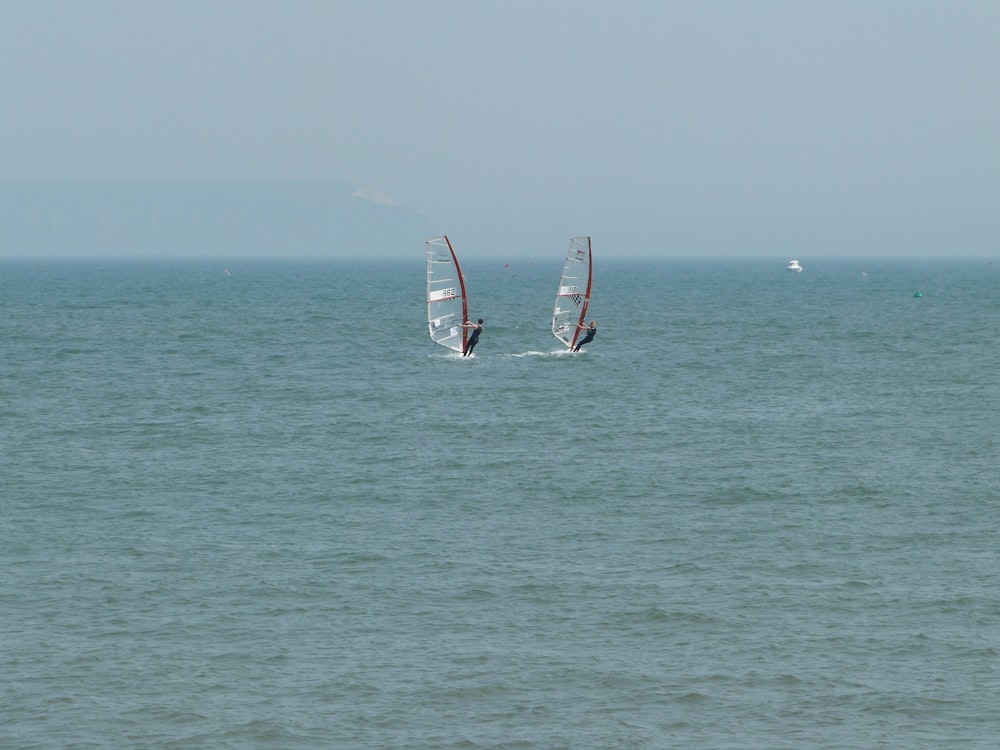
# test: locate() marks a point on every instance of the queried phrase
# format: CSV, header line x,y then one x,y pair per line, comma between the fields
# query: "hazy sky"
x,y
795,129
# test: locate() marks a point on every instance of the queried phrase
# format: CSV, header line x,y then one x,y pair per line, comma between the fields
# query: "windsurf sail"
x,y
447,307
573,293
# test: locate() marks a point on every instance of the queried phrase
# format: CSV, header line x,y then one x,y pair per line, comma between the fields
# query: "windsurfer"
x,y
474,338
591,329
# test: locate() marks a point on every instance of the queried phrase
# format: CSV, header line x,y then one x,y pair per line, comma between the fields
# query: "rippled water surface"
x,y
259,508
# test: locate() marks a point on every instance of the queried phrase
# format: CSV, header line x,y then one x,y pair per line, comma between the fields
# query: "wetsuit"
x,y
591,332
473,340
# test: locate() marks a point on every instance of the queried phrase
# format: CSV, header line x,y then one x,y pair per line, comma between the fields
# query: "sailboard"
x,y
573,292
447,306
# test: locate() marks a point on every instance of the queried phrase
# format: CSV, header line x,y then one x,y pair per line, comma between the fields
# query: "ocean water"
x,y
259,508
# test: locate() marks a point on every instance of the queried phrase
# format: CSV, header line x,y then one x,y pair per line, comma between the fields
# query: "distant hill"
x,y
202,219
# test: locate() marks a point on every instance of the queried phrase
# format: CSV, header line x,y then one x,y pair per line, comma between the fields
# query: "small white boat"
x,y
793,265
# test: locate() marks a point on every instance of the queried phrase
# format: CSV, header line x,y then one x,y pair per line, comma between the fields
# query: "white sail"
x,y
447,307
573,292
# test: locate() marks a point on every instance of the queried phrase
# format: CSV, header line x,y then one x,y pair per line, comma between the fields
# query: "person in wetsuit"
x,y
591,332
474,338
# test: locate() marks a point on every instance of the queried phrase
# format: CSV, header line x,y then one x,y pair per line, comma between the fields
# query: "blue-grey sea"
x,y
252,505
